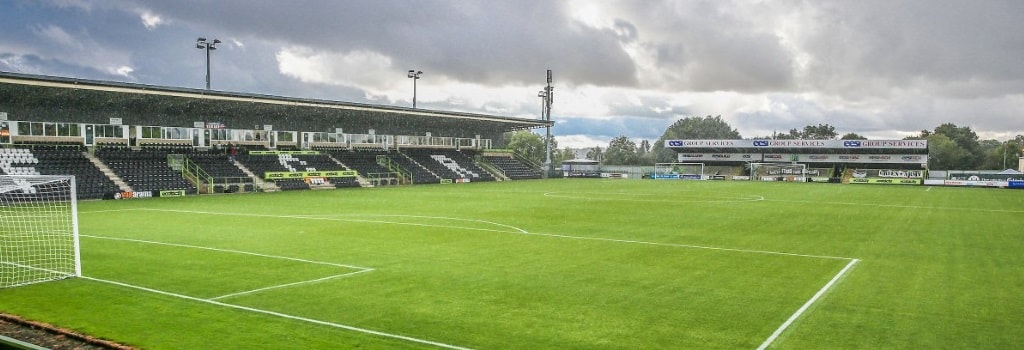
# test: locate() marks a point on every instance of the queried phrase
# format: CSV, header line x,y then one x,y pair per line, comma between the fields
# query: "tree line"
x,y
949,146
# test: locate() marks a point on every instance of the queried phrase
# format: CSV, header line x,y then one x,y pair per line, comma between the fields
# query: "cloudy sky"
x,y
881,68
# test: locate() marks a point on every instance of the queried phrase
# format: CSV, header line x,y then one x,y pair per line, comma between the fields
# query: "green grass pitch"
x,y
550,264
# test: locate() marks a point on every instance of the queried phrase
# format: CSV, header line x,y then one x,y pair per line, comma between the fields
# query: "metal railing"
x,y
404,176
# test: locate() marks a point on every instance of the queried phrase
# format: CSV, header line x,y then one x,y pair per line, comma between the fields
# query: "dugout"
x,y
579,167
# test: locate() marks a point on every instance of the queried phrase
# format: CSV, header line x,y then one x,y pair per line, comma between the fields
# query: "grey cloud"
x,y
870,67
626,31
480,42
707,46
934,46
633,127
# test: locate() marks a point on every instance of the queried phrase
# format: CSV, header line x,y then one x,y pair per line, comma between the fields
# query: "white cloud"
x,y
58,36
123,71
81,4
581,141
621,67
80,49
151,20
358,68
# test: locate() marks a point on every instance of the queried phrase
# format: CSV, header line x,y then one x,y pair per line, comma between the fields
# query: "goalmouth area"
x,y
549,264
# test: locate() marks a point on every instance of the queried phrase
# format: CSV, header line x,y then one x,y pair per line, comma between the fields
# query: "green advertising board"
x,y
274,153
277,175
172,193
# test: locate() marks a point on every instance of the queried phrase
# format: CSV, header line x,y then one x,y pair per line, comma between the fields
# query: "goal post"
x,y
678,171
38,229
793,172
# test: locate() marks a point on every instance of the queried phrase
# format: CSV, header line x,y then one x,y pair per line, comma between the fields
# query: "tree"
x,y
811,132
554,149
528,145
853,136
692,128
820,132
643,152
562,155
1005,155
595,154
967,140
945,154
531,146
792,135
621,151
643,148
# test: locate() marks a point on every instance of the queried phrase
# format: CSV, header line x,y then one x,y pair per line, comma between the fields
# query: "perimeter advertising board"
x,y
824,144
887,177
848,158
274,153
144,194
718,157
272,175
803,158
888,173
886,181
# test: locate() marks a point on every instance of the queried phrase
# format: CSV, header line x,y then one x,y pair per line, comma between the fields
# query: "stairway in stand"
x,y
267,186
108,172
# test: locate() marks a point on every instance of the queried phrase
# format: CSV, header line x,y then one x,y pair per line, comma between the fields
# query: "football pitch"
x,y
550,264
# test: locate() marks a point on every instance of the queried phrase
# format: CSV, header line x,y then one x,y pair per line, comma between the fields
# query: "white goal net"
x,y
38,229
778,172
681,171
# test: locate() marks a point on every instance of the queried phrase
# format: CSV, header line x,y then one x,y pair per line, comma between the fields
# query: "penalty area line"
x,y
792,318
290,284
227,251
283,315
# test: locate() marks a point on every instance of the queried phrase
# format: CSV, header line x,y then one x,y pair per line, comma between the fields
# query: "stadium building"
x,y
853,161
130,140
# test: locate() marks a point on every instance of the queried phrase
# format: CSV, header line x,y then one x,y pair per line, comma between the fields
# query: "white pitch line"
x,y
287,316
421,217
802,309
230,251
107,211
518,231
689,246
716,200
307,217
897,206
767,342
290,284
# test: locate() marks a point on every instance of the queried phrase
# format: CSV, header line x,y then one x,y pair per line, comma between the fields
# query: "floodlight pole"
x,y
547,97
202,44
414,75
